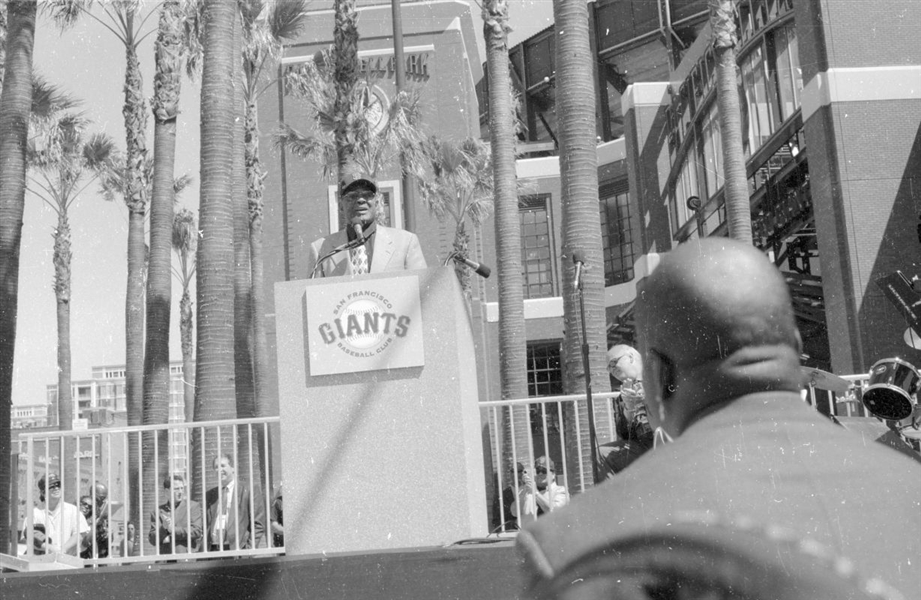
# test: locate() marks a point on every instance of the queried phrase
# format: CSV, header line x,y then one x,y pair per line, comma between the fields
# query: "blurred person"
x,y
631,420
539,495
228,507
177,522
98,519
386,248
277,519
503,519
61,523
722,378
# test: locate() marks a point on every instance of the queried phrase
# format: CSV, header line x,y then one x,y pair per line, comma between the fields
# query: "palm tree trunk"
x,y
62,260
186,331
512,340
15,105
214,376
255,174
167,83
738,206
581,221
345,50
242,307
135,115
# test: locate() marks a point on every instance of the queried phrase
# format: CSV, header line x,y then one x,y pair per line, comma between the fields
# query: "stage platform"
x,y
475,571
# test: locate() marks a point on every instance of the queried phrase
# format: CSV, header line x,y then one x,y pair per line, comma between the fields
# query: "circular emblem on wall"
x,y
376,106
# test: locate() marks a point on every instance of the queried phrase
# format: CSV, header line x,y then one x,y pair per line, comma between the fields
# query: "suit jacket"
x,y
393,250
238,521
767,456
184,513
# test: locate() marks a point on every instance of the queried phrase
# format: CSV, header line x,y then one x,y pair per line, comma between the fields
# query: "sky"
x,y
88,62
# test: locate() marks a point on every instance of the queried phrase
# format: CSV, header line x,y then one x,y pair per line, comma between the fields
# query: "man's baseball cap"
x,y
52,479
357,182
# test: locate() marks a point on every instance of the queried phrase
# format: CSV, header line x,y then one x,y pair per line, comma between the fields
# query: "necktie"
x,y
359,257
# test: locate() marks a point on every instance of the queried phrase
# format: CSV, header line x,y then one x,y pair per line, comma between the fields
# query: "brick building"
x,y
832,110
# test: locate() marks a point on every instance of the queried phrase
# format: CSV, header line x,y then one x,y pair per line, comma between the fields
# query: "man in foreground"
x,y
721,363
62,522
384,248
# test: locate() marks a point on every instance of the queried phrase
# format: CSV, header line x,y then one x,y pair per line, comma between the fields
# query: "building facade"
x,y
831,114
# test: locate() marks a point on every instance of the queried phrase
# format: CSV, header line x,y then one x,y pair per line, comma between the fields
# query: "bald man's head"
x,y
710,297
715,320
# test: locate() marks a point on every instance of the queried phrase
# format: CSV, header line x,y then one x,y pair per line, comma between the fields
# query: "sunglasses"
x,y
54,486
540,470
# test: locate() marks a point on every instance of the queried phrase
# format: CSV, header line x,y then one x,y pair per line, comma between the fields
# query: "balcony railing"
x,y
539,426
135,464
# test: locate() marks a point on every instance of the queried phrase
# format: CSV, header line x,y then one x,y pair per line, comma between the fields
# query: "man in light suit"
x,y
229,506
385,248
721,350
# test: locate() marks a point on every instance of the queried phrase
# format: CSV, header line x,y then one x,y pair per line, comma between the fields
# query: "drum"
x,y
890,393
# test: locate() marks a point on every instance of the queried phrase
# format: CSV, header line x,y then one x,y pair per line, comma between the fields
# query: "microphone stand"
x,y
592,436
346,246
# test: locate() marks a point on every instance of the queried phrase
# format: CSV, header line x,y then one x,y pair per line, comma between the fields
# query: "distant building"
x,y
29,416
101,397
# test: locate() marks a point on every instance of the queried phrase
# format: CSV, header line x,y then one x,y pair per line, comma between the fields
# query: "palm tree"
x,y
123,19
581,221
462,189
185,242
735,189
263,39
372,145
15,103
214,366
345,61
65,163
512,341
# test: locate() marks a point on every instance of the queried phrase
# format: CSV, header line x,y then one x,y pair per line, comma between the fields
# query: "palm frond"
x,y
286,20
97,150
180,184
185,231
65,12
49,99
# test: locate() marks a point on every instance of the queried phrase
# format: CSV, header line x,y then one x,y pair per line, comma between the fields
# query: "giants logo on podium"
x,y
364,325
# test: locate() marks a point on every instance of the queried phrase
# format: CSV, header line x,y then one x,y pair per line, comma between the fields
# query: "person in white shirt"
x,y
540,494
64,525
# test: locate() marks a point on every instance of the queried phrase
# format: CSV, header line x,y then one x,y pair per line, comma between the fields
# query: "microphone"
x,y
481,270
577,260
359,232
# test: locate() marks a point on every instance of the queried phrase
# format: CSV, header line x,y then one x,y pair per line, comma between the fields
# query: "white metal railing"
x,y
546,435
82,459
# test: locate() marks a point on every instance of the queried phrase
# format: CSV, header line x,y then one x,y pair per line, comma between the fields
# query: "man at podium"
x,y
363,246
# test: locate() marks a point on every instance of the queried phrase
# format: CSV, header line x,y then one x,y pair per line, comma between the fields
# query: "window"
x,y
536,261
616,236
787,73
712,152
545,371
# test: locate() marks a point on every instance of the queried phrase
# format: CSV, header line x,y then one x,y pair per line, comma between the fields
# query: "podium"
x,y
380,427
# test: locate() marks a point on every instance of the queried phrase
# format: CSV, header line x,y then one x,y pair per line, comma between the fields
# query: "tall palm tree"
x,y
461,188
214,366
124,20
265,28
15,103
65,162
735,189
512,341
345,61
185,243
372,146
581,220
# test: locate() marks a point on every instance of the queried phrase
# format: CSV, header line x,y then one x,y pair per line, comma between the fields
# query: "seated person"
x,y
96,511
177,522
635,436
62,523
541,494
503,520
277,520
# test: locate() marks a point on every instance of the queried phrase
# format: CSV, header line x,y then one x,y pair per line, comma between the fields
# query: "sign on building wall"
x,y
364,325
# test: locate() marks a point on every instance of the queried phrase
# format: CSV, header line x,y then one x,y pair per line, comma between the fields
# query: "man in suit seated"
x,y
177,522
229,506
721,351
384,249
